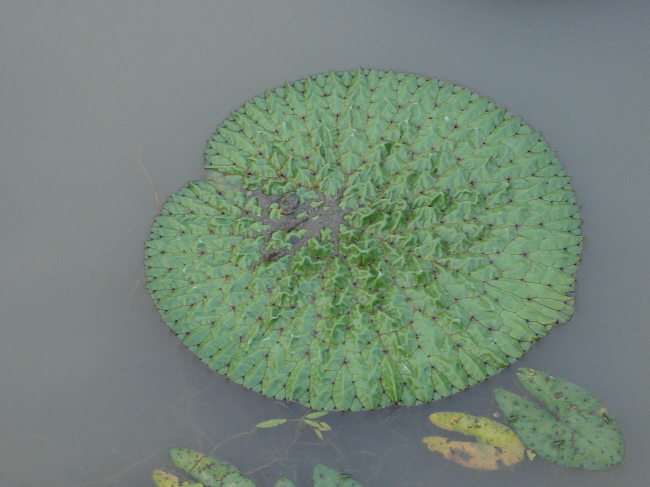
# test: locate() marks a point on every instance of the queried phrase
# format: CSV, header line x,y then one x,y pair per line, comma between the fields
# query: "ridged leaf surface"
x,y
367,239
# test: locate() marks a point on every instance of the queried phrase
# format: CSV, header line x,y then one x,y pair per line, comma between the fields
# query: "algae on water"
x,y
366,239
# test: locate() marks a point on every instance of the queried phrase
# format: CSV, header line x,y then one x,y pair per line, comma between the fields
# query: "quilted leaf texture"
x,y
367,239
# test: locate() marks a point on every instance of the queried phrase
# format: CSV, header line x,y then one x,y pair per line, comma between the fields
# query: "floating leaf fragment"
x,y
270,423
366,239
317,426
208,470
497,444
316,414
313,424
575,430
328,477
164,479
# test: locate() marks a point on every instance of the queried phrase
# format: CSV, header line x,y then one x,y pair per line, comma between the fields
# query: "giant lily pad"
x,y
575,430
367,239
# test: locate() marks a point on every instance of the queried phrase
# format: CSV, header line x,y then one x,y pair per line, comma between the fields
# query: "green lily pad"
x,y
366,239
575,430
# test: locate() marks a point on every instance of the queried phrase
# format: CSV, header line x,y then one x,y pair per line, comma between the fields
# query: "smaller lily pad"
x,y
575,430
497,444
208,470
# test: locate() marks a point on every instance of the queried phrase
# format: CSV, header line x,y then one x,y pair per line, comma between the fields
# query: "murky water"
x,y
105,113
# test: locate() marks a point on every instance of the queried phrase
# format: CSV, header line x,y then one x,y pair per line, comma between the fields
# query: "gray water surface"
x,y
106,108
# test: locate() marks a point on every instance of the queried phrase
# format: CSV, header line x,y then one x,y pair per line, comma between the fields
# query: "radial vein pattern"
x,y
366,239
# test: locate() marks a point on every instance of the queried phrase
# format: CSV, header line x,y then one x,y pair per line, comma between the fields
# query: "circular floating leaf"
x,y
575,430
367,239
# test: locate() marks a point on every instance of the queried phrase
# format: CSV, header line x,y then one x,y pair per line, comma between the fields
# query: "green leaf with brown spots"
x,y
575,429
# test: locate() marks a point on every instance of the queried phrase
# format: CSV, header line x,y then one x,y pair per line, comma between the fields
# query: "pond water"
x,y
106,110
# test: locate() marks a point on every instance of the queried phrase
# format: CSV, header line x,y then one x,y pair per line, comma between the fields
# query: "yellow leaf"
x,y
319,434
497,444
164,479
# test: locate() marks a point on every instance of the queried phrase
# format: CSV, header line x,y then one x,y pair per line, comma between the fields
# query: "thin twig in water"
x,y
146,173
157,199
133,291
